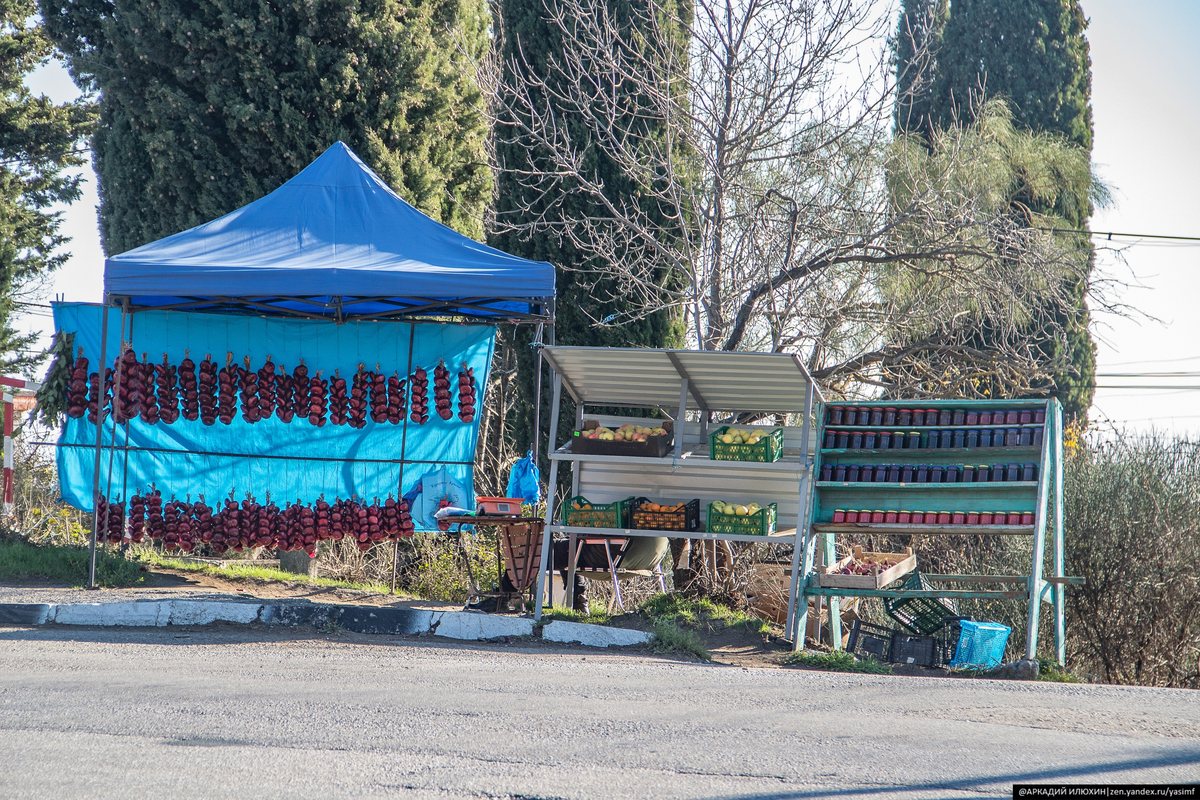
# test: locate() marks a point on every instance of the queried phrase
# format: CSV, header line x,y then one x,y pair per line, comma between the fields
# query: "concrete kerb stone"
x,y
203,612
592,635
147,614
25,613
402,621
468,626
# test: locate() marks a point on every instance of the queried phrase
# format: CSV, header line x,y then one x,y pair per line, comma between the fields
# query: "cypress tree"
x,y
584,296
39,143
1035,55
206,106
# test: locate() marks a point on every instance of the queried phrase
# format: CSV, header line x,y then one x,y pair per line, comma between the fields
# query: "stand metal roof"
x,y
767,383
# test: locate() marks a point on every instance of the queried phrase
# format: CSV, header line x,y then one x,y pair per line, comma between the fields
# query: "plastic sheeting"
x,y
334,228
291,461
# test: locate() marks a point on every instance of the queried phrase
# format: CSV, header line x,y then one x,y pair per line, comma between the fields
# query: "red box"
x,y
499,506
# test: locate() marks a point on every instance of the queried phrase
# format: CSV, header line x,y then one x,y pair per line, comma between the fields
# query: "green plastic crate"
x,y
760,523
600,515
923,615
769,448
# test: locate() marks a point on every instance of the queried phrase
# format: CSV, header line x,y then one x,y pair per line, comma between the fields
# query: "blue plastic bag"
x,y
524,480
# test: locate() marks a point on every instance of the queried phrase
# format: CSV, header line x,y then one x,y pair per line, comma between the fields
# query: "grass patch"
x,y
670,638
570,615
1049,670
681,610
838,661
22,561
247,571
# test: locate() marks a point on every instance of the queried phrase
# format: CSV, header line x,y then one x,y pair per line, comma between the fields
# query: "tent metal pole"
x,y
537,391
547,537
100,368
412,336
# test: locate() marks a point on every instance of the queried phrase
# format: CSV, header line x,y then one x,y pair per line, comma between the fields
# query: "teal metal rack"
x,y
1042,497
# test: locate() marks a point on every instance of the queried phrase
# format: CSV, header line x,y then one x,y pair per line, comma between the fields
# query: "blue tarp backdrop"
x,y
337,461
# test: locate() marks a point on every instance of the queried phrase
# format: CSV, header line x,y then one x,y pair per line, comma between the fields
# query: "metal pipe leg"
x,y
612,570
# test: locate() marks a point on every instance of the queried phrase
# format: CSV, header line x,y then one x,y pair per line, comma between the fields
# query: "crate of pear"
x,y
652,439
730,443
750,519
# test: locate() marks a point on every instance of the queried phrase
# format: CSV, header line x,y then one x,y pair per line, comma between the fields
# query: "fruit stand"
x,y
742,482
916,468
302,351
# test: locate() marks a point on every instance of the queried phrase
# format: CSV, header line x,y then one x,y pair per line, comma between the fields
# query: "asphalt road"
x,y
236,713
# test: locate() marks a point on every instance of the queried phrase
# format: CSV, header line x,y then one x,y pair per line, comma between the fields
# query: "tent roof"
x,y
333,241
768,383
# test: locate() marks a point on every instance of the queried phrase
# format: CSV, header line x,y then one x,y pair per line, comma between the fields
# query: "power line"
x,y
1111,234
1148,374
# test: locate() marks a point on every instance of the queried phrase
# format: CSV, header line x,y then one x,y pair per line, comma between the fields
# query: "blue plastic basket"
x,y
980,645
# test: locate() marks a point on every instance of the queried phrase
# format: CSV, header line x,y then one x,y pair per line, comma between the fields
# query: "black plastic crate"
x,y
913,648
870,641
923,615
654,447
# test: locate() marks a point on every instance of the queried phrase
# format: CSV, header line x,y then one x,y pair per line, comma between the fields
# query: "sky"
x,y
1146,107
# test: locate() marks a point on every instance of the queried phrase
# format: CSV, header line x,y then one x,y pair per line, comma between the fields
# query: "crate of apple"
x,y
630,439
865,570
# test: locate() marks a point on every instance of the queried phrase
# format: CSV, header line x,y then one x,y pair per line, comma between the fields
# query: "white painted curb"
x,y
592,635
465,625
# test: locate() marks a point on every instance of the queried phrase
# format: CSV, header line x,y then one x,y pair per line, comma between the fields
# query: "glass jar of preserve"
x,y
889,416
936,473
1039,415
876,416
946,439
898,438
1026,416
914,440
851,517
839,516
904,417
883,441
997,473
972,417
972,517
904,518
943,518
830,439
1029,472
827,472
958,416
890,517
999,518
893,473
906,473
952,474
982,473
1011,417
918,417
985,518
985,437
985,418
1012,437
843,440
835,415
1026,517
839,473
972,438
877,516
852,473
868,441
856,440
922,473
944,416
958,518
960,438
968,473
1026,437
1037,437
881,471
917,518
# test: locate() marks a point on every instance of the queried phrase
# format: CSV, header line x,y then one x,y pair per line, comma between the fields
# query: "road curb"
x,y
461,625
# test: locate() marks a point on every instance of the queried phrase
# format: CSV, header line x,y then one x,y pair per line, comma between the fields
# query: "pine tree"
x,y
40,144
206,106
584,299
1035,55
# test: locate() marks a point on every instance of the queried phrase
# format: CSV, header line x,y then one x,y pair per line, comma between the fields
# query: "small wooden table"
x,y
519,552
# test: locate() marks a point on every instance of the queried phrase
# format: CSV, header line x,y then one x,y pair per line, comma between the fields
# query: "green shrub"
x,y
838,661
670,638
22,561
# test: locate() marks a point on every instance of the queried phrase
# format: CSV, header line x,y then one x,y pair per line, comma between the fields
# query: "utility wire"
x,y
1111,234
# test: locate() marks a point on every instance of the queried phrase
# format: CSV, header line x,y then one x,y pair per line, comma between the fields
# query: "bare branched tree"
x,y
776,210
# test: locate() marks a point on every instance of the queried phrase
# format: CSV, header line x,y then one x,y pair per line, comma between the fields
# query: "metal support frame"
x,y
100,404
798,623
1060,637
550,494
1039,537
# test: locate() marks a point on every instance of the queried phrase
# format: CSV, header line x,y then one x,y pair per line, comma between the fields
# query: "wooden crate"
x,y
828,576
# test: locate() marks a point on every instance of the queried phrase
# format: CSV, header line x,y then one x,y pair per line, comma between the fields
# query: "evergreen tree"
x,y
583,298
206,106
1034,54
40,143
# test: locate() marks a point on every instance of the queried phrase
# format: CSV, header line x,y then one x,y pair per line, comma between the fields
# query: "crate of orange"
x,y
583,513
650,516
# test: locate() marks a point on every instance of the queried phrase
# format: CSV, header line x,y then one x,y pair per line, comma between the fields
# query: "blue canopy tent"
x,y
333,242
334,245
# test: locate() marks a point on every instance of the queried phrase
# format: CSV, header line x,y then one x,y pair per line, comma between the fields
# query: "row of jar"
x,y
919,417
932,440
928,473
877,517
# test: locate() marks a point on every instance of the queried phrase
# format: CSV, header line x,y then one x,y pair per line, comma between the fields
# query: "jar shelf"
x,y
935,451
987,485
